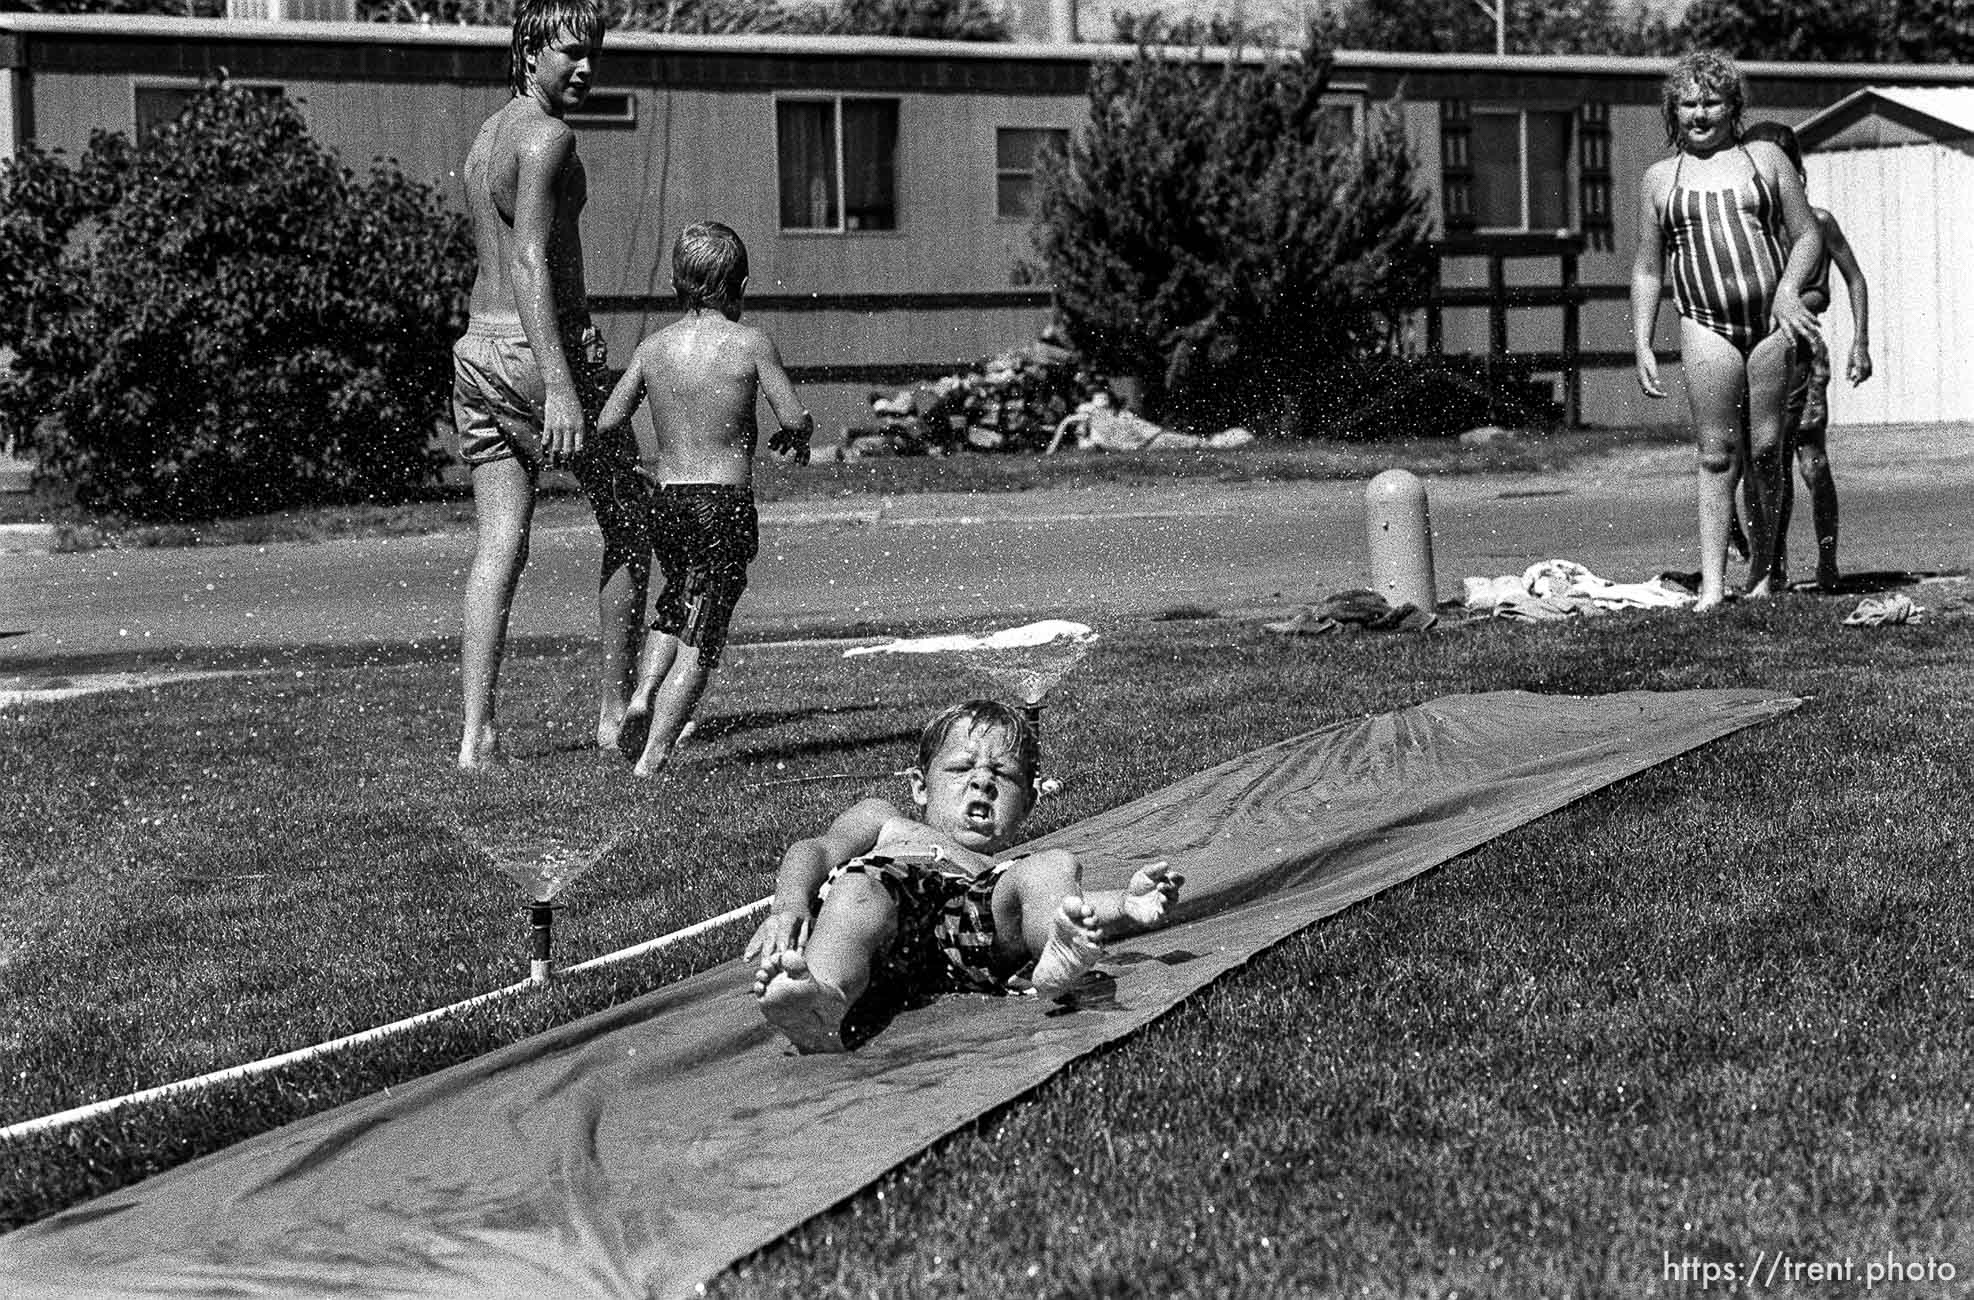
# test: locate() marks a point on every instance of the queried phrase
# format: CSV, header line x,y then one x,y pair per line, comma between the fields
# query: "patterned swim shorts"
x,y
704,535
1809,390
945,939
498,392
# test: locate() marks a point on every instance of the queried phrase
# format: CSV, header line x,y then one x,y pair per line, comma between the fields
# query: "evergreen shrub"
x,y
224,320
1214,233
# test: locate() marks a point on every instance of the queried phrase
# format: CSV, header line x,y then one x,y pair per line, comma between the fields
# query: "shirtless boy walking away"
x,y
922,904
528,375
700,376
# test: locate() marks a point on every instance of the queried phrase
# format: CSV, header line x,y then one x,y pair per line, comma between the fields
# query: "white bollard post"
x,y
1400,538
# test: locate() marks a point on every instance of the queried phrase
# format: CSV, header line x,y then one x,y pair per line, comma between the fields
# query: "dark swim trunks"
x,y
704,535
945,939
1809,390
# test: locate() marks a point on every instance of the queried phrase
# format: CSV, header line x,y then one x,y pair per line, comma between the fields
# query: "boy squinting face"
x,y
976,790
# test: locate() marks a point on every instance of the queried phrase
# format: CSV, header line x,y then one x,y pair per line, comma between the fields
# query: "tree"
x,y
224,319
953,20
1849,31
1213,233
957,20
1534,27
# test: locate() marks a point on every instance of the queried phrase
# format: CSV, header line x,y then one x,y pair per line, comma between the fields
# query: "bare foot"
x,y
478,753
807,1011
652,761
609,725
1707,601
633,730
657,755
1761,590
1149,898
1075,947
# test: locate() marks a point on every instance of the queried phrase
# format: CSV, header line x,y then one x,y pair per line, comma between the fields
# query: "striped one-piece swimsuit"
x,y
1726,255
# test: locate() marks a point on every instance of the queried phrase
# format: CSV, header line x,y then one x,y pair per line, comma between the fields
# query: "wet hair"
x,y
988,715
1707,70
536,25
1781,136
709,265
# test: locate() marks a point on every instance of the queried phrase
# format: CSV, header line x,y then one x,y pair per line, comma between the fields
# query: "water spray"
x,y
1025,663
543,868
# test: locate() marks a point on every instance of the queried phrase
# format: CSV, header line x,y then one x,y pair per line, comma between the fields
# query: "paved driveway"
x,y
1098,553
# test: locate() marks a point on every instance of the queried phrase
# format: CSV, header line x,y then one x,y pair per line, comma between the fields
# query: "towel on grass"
x,y
1559,589
1359,609
1877,611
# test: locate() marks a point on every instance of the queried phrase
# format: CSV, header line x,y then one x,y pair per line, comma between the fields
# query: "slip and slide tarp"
x,y
642,1150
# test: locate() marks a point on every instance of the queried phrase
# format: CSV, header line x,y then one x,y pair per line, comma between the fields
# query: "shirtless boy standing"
x,y
528,375
701,376
1809,392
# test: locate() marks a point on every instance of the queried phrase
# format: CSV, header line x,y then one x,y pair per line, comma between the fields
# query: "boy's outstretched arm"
x,y
1858,369
797,425
624,397
805,866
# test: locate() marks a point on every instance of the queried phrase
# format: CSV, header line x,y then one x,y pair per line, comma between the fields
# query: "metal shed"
x,y
1895,164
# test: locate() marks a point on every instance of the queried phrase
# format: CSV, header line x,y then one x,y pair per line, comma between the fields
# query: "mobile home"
x,y
883,185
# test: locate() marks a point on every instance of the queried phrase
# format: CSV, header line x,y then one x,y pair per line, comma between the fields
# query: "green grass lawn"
x,y
450,508
1719,1008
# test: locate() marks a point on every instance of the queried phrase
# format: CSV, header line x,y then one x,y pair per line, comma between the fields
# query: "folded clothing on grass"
x,y
1877,611
1559,589
1357,610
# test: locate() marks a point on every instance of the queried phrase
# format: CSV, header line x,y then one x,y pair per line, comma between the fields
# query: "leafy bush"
x,y
952,20
1215,233
1421,396
224,319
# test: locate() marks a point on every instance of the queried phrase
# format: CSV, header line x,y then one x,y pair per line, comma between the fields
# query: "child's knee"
x,y
1716,460
1052,871
857,891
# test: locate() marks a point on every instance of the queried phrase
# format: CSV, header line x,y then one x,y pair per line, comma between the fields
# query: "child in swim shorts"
x,y
699,377
926,904
1809,391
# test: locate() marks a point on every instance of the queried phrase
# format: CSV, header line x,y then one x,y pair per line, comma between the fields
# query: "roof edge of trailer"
x,y
155,27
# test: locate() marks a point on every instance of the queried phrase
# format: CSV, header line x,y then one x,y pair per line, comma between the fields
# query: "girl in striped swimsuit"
x,y
1733,222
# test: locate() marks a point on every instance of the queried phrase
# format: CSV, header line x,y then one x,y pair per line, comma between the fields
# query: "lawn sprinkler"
x,y
1399,534
544,867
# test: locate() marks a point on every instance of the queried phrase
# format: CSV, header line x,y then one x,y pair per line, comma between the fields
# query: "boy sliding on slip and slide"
x,y
922,903
700,377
